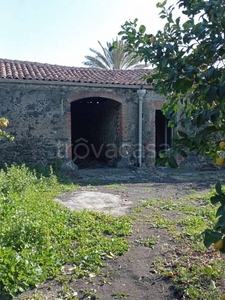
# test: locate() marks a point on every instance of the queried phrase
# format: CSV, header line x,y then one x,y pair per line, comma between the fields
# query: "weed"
x,y
112,186
119,295
197,273
149,241
67,293
90,294
137,209
36,296
120,187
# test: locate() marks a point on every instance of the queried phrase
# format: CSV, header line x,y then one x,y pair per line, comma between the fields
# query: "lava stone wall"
x,y
151,103
40,119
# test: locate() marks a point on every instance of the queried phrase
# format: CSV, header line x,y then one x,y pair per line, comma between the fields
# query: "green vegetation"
x,y
117,295
188,58
117,59
41,240
38,236
197,273
217,234
188,70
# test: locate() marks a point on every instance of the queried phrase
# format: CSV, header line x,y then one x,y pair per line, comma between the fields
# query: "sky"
x,y
62,31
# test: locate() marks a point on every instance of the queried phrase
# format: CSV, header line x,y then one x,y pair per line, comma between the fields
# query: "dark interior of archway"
x,y
163,133
95,127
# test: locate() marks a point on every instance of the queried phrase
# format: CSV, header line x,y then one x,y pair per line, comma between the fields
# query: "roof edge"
x,y
39,82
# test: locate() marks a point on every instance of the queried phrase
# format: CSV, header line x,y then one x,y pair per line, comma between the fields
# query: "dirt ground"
x,y
132,276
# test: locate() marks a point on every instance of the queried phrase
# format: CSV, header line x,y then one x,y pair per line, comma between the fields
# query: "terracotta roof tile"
x,y
14,69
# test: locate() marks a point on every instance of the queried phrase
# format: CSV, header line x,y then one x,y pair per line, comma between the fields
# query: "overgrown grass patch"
x,y
38,236
197,272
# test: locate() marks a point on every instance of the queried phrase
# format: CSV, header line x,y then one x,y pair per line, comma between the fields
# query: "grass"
x,y
38,236
117,186
197,272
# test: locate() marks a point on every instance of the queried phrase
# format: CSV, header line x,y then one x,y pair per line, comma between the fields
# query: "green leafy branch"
x,y
217,235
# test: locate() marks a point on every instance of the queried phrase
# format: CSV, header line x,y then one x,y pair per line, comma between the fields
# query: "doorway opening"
x,y
95,131
163,133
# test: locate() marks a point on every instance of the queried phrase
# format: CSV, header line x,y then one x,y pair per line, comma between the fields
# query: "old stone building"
x,y
79,113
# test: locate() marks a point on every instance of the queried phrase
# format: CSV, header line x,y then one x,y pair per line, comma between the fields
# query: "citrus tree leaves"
x,y
188,70
188,60
213,236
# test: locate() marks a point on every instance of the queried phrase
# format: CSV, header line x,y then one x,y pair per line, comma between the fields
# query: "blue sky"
x,y
62,31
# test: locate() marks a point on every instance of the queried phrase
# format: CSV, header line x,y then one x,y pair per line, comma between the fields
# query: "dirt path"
x,y
133,276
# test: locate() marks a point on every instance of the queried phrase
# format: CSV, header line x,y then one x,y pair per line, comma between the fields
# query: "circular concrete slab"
x,y
97,201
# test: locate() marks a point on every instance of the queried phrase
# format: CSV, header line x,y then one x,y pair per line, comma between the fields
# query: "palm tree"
x,y
116,59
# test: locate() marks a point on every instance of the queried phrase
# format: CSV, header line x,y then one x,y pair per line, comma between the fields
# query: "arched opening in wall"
x,y
163,133
96,131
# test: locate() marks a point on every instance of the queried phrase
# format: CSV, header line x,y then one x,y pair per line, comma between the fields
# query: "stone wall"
x,y
154,102
40,119
36,122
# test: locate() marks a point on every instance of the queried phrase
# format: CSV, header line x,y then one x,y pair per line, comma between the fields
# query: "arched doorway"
x,y
163,134
96,131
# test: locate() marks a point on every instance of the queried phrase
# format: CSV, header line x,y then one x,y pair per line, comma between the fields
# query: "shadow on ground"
x,y
103,176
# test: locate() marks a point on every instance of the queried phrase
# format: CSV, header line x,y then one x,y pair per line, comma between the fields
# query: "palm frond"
x,y
117,59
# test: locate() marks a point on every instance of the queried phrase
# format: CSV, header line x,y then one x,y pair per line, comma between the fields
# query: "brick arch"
x,y
100,94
